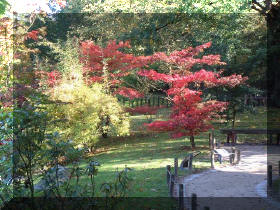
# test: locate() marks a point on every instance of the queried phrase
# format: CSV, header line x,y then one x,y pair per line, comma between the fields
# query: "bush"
x,y
84,113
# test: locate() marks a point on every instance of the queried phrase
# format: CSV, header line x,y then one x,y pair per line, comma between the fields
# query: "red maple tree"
x,y
190,115
109,66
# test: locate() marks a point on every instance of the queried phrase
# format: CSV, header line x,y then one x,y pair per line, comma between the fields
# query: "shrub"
x,y
84,113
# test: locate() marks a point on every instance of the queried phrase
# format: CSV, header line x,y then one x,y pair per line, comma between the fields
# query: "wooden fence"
x,y
157,100
150,101
172,179
271,179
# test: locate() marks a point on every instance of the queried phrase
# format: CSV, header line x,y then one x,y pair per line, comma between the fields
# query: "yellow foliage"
x,y
85,110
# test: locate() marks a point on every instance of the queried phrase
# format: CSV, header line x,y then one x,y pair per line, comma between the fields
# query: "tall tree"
x,y
271,10
190,113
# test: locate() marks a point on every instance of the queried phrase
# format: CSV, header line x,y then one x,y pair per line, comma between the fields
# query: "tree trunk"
x,y
273,61
192,141
105,132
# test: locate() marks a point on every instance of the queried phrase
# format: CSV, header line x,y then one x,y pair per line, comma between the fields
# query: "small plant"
x,y
117,189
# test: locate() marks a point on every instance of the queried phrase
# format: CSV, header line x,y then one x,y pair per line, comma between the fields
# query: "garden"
x,y
96,103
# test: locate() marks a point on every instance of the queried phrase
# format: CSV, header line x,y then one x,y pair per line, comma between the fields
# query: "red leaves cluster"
x,y
5,141
185,59
129,93
117,65
61,3
52,78
190,115
32,35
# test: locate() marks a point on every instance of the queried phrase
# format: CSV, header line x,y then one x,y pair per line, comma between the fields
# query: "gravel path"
x,y
246,180
232,181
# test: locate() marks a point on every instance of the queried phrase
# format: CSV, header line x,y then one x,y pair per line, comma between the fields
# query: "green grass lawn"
x,y
148,157
149,154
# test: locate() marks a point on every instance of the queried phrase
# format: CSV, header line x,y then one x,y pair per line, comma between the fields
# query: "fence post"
x,y
270,139
190,162
278,139
269,176
176,167
210,140
171,187
279,168
181,196
212,159
168,172
238,156
194,201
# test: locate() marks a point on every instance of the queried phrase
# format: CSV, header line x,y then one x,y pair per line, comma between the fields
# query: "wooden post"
x,y
234,155
149,102
228,138
279,168
270,139
210,140
181,196
194,202
190,162
176,167
269,176
238,156
168,172
171,187
212,158
235,160
278,139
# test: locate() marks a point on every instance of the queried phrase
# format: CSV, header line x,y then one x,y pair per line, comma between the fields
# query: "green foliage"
x,y
6,173
155,6
87,112
81,112
3,6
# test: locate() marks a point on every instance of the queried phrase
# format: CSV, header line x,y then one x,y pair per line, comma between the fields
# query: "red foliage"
x,y
116,64
49,78
32,35
61,3
129,93
190,115
53,78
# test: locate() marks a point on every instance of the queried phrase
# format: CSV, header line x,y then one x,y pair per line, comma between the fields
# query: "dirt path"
x,y
232,181
247,179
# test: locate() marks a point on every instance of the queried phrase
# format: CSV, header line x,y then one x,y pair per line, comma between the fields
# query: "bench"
x,y
222,154
232,133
